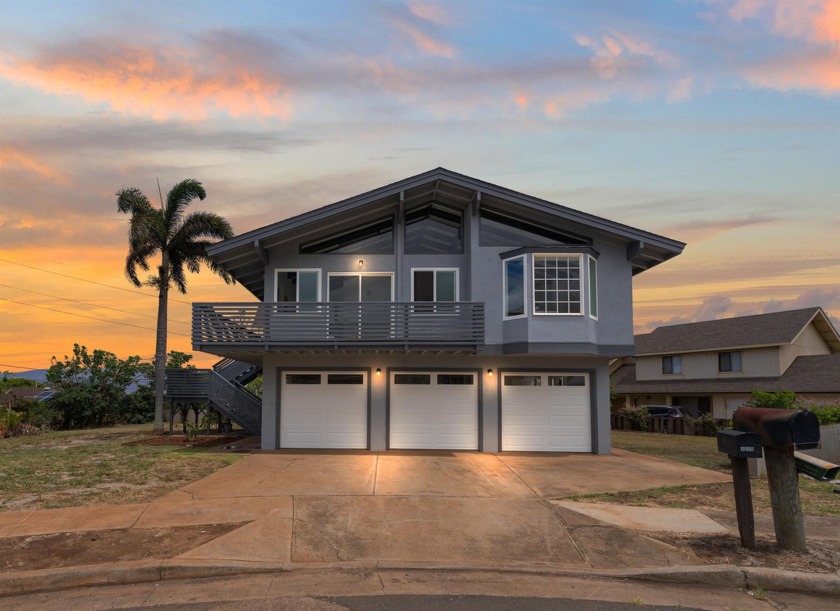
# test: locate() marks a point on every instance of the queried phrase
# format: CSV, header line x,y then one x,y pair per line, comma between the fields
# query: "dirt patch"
x,y
104,546
820,557
181,440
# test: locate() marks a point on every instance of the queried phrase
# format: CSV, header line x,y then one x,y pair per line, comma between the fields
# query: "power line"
x,y
110,286
113,322
20,366
93,305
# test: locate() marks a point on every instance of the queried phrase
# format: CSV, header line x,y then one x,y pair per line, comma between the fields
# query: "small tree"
x,y
91,386
180,242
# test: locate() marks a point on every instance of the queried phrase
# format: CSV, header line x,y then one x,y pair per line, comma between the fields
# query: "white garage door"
x,y
546,412
322,409
434,410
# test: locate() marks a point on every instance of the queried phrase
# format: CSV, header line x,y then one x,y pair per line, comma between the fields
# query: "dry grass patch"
x,y
92,467
818,498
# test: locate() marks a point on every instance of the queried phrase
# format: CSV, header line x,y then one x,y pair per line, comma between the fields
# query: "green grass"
x,y
817,498
91,467
696,451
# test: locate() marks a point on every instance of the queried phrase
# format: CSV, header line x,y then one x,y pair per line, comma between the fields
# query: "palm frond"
x,y
132,201
178,199
202,225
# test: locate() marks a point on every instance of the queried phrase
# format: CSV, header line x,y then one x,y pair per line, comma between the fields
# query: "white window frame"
x,y
360,274
582,289
285,270
434,281
525,288
592,287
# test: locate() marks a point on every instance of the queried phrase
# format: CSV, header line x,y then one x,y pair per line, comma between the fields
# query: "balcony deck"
x,y
222,328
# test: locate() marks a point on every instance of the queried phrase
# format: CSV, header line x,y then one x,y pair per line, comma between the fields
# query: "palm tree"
x,y
182,244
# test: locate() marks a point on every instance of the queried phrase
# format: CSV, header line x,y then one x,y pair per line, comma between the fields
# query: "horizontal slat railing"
x,y
205,385
338,323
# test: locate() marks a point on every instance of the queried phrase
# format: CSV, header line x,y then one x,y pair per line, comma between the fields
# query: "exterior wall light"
x,y
378,371
361,263
490,372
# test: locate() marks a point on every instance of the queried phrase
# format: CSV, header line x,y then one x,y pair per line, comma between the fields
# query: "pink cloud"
x,y
422,23
164,83
12,157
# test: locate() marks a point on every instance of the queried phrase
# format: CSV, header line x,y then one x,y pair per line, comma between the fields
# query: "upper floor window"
x,y
501,229
434,285
375,238
298,285
593,287
729,361
557,284
672,364
434,229
514,287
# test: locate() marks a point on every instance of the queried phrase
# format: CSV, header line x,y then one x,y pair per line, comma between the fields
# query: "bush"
x,y
704,426
40,414
784,399
826,414
9,420
638,416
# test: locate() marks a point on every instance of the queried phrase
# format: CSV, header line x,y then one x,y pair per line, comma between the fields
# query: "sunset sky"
x,y
715,122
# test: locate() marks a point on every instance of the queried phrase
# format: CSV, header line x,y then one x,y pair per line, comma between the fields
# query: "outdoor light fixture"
x,y
378,371
490,372
361,263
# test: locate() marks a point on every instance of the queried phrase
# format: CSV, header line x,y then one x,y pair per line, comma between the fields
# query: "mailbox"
x,y
739,444
779,429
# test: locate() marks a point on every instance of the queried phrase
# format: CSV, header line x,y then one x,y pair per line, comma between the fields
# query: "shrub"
x,y
826,414
784,399
704,426
9,420
638,416
39,414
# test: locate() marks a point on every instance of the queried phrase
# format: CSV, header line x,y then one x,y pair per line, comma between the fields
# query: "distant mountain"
x,y
38,375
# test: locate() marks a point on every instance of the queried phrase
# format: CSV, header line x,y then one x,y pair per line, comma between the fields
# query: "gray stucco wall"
x,y
480,280
489,391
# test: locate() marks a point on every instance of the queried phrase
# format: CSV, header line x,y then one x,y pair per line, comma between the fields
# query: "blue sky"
x,y
715,122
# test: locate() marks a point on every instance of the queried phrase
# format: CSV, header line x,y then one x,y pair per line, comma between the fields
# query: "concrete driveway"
x,y
440,508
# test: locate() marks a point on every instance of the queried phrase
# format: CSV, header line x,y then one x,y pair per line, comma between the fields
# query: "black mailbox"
x,y
739,444
779,429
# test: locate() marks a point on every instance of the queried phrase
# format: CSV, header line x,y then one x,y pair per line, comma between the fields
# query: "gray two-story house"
x,y
438,312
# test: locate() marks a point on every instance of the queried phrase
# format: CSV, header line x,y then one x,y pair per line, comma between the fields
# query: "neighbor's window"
x,y
729,361
557,287
672,364
514,287
593,287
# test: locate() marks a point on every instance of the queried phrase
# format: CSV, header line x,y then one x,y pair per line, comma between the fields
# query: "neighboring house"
x,y
438,312
715,365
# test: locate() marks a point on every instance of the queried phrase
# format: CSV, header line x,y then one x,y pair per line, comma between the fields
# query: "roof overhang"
x,y
245,256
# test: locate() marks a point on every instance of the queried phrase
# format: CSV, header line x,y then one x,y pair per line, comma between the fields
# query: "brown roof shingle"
x,y
771,329
807,374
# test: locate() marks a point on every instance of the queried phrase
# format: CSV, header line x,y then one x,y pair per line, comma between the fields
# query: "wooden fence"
x,y
669,425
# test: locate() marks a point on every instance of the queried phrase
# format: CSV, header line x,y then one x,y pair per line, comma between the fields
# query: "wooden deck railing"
x,y
338,324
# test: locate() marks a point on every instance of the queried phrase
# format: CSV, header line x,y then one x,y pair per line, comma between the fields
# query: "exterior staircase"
x,y
222,388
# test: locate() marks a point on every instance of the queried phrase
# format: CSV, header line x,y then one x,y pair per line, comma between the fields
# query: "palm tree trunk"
x,y
160,343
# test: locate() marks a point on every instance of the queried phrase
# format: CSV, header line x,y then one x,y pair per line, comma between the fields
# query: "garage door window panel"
x,y
345,378
513,380
412,378
303,378
567,380
455,379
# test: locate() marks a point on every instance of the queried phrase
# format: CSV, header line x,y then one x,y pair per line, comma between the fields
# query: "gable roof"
x,y
244,256
773,329
807,374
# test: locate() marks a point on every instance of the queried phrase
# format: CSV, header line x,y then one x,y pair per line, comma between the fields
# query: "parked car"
x,y
665,410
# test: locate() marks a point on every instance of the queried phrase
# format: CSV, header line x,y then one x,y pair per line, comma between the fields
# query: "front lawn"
x,y
818,498
94,466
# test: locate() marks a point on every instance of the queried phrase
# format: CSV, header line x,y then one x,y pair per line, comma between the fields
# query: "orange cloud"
x,y
11,157
162,84
816,22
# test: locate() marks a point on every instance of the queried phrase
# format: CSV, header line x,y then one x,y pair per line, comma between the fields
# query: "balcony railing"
x,y
337,324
